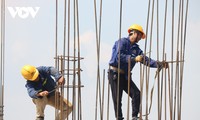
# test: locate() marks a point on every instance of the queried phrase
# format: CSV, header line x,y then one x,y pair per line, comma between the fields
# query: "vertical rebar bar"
x,y
74,65
56,32
142,69
165,90
103,88
108,101
61,67
120,29
2,59
169,92
98,85
150,47
129,79
79,63
183,57
68,49
172,57
56,56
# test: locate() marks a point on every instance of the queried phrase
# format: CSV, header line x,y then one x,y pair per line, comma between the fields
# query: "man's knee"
x,y
68,107
40,101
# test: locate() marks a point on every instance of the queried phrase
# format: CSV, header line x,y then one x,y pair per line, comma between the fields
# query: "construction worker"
x,y
41,85
128,48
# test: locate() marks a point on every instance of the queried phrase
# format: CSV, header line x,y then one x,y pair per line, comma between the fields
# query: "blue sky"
x,y
32,41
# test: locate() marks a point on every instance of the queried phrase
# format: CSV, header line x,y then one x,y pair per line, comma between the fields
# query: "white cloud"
x,y
87,38
19,50
88,45
106,50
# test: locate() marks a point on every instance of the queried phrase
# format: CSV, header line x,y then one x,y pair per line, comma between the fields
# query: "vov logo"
x,y
23,12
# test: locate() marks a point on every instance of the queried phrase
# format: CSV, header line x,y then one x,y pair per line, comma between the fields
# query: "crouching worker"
x,y
41,88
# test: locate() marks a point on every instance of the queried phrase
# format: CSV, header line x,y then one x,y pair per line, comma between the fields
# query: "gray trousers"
x,y
56,103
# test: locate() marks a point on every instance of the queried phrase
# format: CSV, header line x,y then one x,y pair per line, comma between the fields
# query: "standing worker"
x,y
128,48
41,88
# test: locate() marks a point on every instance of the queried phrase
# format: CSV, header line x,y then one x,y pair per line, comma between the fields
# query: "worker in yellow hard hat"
x,y
41,88
124,49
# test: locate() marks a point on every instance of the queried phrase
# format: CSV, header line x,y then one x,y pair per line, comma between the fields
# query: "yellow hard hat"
x,y
138,28
29,72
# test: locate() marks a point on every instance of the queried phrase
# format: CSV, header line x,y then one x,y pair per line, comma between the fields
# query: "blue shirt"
x,y
127,51
47,81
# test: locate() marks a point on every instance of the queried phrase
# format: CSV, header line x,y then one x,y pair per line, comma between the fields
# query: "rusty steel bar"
x,y
129,79
108,101
103,88
142,69
2,58
68,49
120,29
182,65
98,85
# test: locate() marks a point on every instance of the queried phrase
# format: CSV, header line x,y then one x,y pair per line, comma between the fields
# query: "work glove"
x,y
162,65
139,58
43,93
